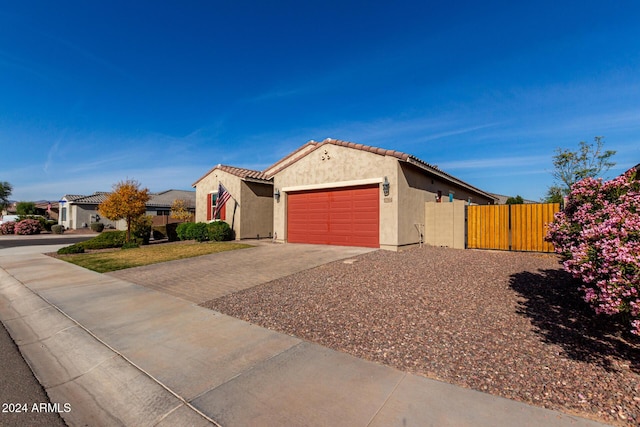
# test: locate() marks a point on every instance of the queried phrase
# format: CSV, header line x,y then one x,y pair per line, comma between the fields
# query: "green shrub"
x,y
219,231
97,227
108,239
50,223
57,229
130,245
73,249
141,229
182,230
197,231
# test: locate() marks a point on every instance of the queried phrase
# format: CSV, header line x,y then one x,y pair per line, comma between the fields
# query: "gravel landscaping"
x,y
505,323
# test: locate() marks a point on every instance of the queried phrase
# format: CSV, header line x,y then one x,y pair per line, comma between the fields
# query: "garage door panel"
x,y
344,216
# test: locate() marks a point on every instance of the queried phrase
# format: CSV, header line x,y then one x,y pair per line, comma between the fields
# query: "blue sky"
x,y
92,93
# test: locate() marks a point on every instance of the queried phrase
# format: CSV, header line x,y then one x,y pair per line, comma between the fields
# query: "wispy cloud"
x,y
497,162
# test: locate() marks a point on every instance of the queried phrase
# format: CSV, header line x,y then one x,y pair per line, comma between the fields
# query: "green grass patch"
x,y
104,262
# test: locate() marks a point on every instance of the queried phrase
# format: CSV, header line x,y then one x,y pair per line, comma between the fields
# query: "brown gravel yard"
x,y
505,323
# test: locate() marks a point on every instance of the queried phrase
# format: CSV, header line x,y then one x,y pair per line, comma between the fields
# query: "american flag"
x,y
223,196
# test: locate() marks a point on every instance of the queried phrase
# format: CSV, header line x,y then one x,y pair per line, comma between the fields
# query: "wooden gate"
x,y
510,227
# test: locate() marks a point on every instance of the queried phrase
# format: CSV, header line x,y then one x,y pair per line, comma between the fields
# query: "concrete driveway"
x,y
212,276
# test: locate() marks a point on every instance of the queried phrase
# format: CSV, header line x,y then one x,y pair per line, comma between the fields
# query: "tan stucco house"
x,y
338,193
249,212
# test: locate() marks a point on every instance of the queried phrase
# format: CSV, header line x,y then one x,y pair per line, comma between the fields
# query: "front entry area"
x,y
348,216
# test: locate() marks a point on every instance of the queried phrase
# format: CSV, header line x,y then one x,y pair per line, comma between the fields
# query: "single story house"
x,y
249,211
77,211
339,193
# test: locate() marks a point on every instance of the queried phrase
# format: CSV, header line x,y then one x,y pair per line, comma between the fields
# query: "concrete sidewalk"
x,y
123,354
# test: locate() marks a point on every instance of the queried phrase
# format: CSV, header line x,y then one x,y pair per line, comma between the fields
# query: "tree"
x,y
180,211
26,208
598,237
554,195
5,192
127,202
589,161
518,200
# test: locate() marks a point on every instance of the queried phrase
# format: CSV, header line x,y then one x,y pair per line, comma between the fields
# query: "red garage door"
x,y
347,216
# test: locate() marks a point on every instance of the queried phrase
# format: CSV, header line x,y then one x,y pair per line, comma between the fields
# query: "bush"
x,y
8,228
73,249
193,231
598,236
219,231
130,245
98,227
108,239
49,223
172,234
141,229
57,229
28,227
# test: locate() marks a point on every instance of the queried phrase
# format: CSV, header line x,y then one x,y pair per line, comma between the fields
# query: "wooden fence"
x,y
510,227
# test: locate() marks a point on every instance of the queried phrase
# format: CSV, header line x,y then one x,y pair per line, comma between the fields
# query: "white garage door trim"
x,y
333,184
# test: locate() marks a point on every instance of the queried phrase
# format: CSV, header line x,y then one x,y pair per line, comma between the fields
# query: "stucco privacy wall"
x,y
332,166
417,188
257,209
445,224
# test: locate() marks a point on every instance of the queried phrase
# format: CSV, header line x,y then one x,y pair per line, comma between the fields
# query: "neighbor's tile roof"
x,y
162,199
96,198
166,198
239,172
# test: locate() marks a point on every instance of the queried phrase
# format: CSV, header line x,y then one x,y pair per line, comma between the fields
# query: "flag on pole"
x,y
223,196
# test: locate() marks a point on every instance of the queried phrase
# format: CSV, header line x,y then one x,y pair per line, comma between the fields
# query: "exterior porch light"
x,y
276,195
385,186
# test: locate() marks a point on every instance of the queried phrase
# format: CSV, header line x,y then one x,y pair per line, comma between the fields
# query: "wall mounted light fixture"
x,y
385,186
276,195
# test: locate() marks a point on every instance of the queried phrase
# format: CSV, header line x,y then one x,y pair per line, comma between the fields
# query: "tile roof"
x,y
247,174
166,198
268,173
408,158
96,198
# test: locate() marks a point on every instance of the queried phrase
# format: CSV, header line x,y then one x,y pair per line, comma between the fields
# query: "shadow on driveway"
x,y
555,306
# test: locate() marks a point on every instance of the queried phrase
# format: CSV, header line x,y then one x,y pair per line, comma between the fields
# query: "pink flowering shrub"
x,y
28,226
7,228
598,236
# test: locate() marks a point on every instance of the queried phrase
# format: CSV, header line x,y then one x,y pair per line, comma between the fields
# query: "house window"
x,y
63,214
211,208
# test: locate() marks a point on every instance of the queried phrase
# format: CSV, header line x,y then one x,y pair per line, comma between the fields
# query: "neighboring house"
x,y
338,193
249,212
77,211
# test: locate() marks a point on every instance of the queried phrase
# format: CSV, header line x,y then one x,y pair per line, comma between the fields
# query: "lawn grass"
x,y
119,259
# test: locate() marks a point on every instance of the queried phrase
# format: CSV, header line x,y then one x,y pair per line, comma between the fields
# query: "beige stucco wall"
x,y
333,166
249,212
445,224
257,210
